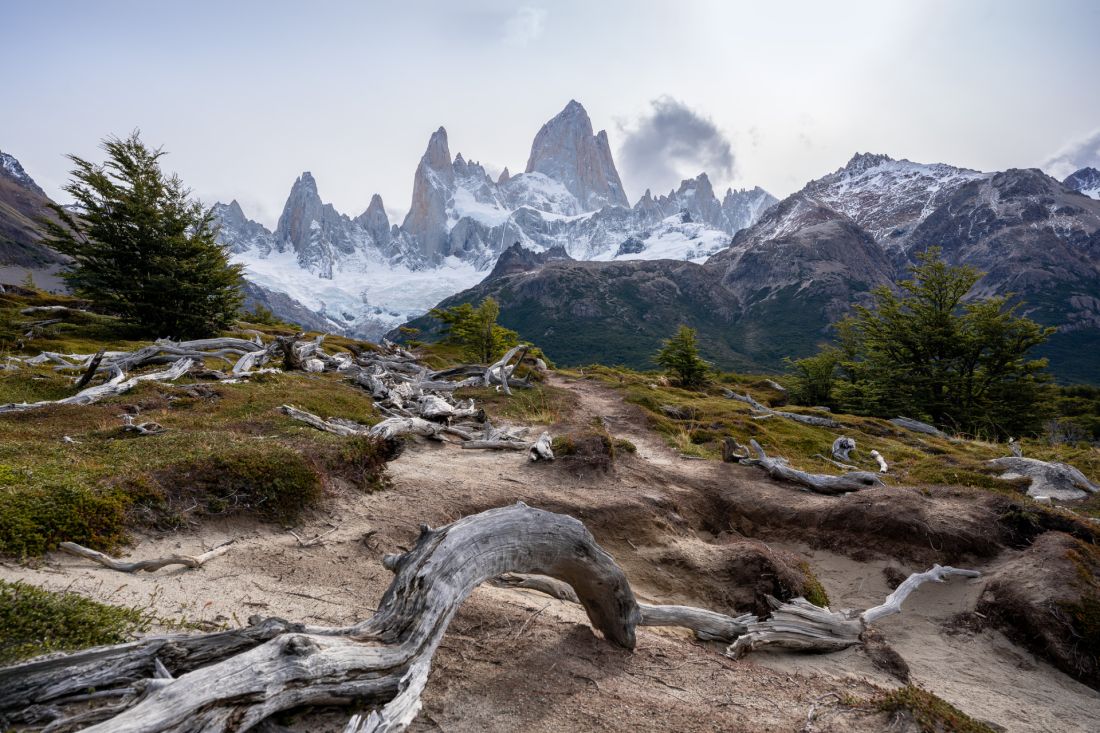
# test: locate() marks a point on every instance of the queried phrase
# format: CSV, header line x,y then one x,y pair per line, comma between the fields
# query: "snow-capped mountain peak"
x,y
569,199
1086,181
566,150
11,168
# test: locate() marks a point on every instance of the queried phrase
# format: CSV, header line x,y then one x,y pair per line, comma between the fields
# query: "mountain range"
x,y
776,290
364,275
590,277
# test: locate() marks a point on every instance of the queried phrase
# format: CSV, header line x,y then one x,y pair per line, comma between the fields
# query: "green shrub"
x,y
814,591
275,483
362,461
35,621
34,519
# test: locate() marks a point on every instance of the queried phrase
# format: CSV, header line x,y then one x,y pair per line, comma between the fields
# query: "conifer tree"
x,y
476,330
680,356
930,352
141,248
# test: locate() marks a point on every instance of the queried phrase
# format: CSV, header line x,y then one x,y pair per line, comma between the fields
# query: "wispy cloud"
x,y
1078,154
672,142
524,26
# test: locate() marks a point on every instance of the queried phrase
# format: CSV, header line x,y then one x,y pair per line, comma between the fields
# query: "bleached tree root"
x,y
823,422
802,626
117,385
235,680
842,447
1052,479
819,483
541,449
707,625
190,561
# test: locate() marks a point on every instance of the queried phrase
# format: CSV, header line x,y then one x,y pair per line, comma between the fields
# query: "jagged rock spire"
x,y
566,150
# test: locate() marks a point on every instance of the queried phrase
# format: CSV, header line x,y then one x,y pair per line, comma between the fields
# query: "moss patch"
x,y
35,621
930,713
814,591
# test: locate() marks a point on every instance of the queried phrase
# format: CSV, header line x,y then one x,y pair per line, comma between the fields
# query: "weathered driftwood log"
x,y
118,384
776,386
236,680
145,428
823,422
499,371
343,428
393,427
820,483
133,566
1056,480
732,451
918,427
707,625
892,604
541,449
803,626
842,446
476,444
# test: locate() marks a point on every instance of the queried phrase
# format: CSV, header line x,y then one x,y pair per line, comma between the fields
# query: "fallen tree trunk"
x,y
819,483
117,385
1051,479
822,422
707,625
236,680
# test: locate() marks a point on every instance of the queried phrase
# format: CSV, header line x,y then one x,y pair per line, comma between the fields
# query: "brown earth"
x,y
681,529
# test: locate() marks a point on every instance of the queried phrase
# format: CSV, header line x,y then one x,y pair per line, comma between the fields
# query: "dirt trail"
x,y
514,660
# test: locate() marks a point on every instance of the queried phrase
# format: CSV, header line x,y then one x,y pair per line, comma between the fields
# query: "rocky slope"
x,y
22,205
775,291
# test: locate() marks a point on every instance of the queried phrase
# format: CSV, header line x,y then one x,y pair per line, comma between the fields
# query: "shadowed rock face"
x,y
566,150
22,205
432,184
518,259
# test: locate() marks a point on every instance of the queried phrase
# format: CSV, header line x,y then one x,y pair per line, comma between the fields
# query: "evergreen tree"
x,y
929,353
680,356
476,330
142,248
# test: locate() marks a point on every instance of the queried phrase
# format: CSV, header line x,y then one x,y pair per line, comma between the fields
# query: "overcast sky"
x,y
247,95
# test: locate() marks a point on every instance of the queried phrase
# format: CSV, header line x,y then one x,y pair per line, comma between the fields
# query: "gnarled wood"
x,y
819,483
235,680
892,604
803,626
823,422
118,384
133,566
541,450
1052,479
842,446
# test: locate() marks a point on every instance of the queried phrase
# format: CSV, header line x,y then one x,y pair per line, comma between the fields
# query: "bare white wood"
x,y
133,566
817,482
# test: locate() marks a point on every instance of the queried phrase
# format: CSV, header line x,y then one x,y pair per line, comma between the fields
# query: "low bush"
x,y
35,621
34,519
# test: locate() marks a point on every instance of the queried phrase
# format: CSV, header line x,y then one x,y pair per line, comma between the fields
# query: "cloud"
x,y
673,142
1074,156
524,26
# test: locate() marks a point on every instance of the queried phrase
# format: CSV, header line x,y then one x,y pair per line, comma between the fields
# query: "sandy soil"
x,y
515,660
